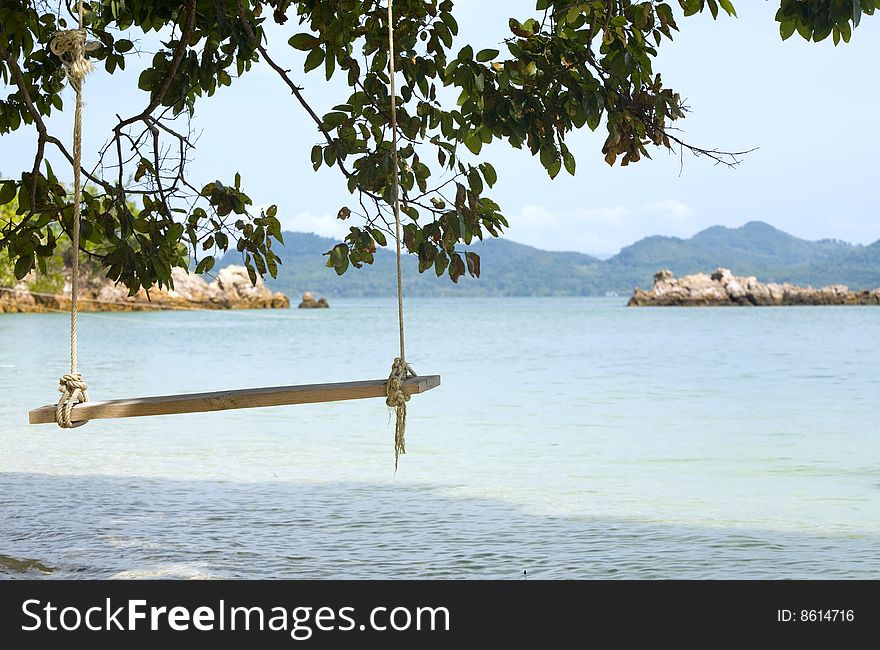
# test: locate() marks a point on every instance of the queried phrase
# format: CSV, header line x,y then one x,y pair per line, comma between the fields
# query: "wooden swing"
x,y
232,399
74,408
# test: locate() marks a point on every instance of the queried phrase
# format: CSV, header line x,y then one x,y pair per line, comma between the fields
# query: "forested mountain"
x,y
511,269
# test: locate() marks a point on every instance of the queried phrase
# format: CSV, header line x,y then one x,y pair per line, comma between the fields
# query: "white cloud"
x,y
325,225
599,231
536,217
670,207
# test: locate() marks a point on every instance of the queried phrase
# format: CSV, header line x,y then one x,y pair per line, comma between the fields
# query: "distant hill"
x,y
756,249
511,269
858,268
508,269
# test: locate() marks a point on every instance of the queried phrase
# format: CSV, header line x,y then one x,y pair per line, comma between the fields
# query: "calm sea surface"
x,y
572,438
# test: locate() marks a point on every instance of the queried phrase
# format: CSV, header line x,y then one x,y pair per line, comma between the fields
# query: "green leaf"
x,y
261,264
473,143
804,30
456,267
786,29
379,236
272,262
334,256
304,42
23,266
727,5
252,274
7,192
518,28
713,7
343,267
334,119
664,13
570,163
489,174
484,56
822,34
339,259
531,25
205,265
857,12
314,59
475,182
440,264
329,67
691,7
145,80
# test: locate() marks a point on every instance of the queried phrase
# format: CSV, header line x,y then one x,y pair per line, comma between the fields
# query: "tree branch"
x,y
42,133
179,51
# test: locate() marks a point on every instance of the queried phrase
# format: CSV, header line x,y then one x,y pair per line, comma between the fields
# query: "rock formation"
x,y
309,302
721,287
231,289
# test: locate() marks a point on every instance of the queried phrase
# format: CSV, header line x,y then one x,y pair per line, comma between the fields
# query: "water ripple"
x,y
102,527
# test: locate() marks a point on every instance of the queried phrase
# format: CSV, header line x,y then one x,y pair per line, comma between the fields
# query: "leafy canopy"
x,y
570,65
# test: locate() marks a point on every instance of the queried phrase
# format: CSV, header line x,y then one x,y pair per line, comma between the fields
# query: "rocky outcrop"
x,y
231,289
721,287
309,302
17,299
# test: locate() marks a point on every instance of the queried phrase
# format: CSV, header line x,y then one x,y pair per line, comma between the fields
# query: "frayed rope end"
x,y
396,399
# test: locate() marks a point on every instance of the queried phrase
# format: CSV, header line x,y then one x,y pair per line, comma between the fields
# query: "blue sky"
x,y
810,108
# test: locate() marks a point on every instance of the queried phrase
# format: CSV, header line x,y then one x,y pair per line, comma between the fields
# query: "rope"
x,y
396,179
400,369
73,391
70,46
397,399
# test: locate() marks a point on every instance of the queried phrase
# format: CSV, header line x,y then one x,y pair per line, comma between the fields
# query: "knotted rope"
x,y
71,47
400,370
397,399
73,391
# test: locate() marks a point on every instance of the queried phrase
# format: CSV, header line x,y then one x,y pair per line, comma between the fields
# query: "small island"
x,y
722,288
309,302
230,289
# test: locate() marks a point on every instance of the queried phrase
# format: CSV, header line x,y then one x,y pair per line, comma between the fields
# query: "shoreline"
x,y
231,289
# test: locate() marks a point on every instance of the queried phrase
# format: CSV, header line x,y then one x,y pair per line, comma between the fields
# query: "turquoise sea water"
x,y
571,438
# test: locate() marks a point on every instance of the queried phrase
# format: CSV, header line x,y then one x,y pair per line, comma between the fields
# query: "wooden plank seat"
x,y
232,399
